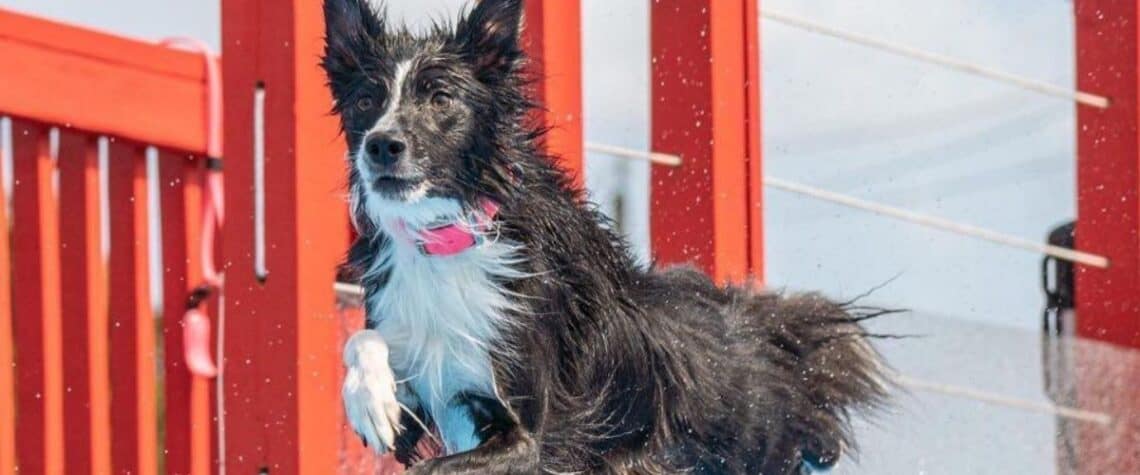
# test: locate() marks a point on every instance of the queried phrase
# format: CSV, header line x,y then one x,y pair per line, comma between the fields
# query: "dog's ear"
x,y
352,30
489,37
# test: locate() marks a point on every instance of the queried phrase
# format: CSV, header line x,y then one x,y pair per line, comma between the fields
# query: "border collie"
x,y
505,315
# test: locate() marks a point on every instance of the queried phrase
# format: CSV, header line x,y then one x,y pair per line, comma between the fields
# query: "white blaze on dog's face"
x,y
421,113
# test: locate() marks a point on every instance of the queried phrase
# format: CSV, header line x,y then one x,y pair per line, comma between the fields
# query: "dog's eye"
x,y
441,99
364,104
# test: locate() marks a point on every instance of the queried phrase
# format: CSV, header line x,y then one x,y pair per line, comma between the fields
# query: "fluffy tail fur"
x,y
827,351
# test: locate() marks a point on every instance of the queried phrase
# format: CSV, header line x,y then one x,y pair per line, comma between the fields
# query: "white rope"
x,y
1002,400
260,270
622,152
1082,97
939,223
220,382
352,294
897,213
348,294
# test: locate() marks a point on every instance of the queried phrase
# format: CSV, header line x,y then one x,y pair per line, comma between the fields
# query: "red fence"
x,y
83,353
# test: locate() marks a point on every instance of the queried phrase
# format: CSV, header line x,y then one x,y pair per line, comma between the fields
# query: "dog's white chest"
x,y
441,317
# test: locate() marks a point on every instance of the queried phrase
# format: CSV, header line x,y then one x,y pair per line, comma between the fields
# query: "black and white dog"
x,y
505,315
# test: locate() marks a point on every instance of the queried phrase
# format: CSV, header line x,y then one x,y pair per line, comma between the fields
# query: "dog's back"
x,y
731,380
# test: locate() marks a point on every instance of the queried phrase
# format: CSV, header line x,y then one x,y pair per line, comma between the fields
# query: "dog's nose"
x,y
384,149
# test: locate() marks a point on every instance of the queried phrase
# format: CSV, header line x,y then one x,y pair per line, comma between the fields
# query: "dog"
x,y
505,315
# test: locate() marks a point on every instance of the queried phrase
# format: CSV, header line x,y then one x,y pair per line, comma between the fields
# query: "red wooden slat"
x,y
753,132
7,375
36,300
1108,171
701,111
175,281
86,369
134,414
188,412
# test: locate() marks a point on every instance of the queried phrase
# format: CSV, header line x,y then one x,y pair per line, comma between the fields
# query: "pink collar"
x,y
454,238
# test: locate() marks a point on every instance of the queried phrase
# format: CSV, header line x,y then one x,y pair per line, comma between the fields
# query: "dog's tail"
x,y
825,347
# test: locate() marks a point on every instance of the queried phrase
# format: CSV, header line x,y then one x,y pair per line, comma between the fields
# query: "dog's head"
x,y
429,116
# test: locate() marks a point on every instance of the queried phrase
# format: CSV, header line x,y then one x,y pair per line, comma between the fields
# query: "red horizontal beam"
x,y
101,83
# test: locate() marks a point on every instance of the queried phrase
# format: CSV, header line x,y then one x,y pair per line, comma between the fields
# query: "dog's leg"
x,y
513,452
369,391
407,442
507,447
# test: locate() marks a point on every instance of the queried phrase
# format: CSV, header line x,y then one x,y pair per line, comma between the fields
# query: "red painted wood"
x,y
173,178
553,38
7,373
1108,218
189,426
102,46
706,109
754,136
87,369
36,300
123,80
281,393
134,445
1108,171
245,423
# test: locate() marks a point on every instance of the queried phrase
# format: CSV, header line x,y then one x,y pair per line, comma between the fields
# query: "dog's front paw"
x,y
369,391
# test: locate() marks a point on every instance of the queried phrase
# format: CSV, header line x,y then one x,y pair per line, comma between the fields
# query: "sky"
x,y
837,116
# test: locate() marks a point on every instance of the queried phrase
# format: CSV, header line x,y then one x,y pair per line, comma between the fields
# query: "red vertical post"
x,y
705,102
134,445
1108,218
87,407
754,134
36,301
553,36
1108,171
282,391
7,375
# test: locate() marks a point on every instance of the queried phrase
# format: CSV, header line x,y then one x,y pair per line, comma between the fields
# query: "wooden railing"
x,y
85,389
